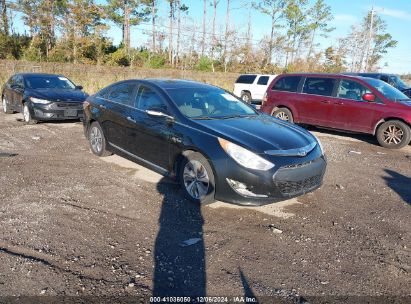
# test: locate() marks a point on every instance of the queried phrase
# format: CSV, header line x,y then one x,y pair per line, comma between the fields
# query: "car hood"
x,y
260,133
406,102
58,95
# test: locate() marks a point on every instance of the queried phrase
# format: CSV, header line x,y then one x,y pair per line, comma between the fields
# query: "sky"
x,y
396,13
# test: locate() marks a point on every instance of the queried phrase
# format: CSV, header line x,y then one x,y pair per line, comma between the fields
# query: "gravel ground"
x,y
74,224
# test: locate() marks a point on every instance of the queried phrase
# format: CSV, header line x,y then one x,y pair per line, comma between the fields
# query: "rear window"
x,y
319,86
246,79
288,84
263,80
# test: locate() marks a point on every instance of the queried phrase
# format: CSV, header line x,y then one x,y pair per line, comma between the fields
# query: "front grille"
x,y
69,104
296,187
298,165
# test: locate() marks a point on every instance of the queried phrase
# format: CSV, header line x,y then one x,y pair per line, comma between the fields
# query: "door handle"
x,y
131,119
338,103
325,101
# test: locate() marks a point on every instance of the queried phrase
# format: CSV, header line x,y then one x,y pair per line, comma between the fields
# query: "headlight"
x,y
245,157
38,100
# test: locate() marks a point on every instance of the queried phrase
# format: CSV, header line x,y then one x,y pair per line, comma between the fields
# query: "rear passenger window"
x,y
248,79
148,99
319,86
263,80
122,93
351,90
287,83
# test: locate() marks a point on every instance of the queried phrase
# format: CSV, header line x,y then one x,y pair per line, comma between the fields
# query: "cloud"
x,y
345,18
399,14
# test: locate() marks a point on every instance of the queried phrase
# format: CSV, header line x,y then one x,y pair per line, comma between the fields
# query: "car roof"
x,y
341,75
255,74
37,74
168,84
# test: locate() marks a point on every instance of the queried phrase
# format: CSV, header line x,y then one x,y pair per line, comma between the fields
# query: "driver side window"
x,y
148,99
353,90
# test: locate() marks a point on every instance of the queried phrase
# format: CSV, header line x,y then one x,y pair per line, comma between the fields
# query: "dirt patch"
x,y
75,224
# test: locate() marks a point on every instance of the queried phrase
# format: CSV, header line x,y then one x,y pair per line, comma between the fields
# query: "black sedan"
x,y
43,97
218,147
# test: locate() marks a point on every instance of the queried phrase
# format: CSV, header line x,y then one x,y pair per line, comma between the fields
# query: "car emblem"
x,y
302,152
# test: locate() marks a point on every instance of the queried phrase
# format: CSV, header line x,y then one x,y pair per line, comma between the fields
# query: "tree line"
x,y
76,31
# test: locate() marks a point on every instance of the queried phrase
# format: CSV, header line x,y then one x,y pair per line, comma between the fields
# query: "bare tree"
x,y
170,32
227,28
213,37
4,18
274,9
204,27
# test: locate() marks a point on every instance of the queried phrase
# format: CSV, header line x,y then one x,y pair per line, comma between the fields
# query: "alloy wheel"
x,y
282,116
26,113
4,105
96,139
393,135
196,180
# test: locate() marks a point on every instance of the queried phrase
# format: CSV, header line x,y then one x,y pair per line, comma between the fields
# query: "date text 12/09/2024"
x,y
241,299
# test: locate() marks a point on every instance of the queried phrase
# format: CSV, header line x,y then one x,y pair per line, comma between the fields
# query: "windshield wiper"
x,y
203,118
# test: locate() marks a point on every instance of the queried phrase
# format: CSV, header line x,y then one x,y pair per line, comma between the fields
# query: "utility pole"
x,y
370,36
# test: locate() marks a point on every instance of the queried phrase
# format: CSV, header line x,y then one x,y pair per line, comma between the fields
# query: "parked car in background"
x,y
206,138
251,87
43,97
391,79
351,103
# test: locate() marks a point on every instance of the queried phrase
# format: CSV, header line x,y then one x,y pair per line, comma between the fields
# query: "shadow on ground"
x,y
400,184
179,267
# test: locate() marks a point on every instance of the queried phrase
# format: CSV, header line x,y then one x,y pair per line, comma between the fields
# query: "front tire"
x,y
394,134
197,179
97,140
28,119
5,106
284,114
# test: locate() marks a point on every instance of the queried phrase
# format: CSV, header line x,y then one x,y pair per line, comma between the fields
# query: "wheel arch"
x,y
382,120
291,109
176,164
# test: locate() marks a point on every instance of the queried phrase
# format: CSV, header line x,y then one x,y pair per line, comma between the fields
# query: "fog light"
x,y
242,189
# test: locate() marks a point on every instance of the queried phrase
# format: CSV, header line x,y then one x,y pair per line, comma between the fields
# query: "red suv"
x,y
351,103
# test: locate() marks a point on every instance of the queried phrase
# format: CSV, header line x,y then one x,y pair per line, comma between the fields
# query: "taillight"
x,y
265,98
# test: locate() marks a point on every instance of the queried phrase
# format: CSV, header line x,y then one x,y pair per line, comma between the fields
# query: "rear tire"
x,y
283,114
197,179
394,134
5,106
97,140
28,119
246,97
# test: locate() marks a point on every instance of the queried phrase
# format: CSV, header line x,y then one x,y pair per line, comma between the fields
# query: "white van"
x,y
251,87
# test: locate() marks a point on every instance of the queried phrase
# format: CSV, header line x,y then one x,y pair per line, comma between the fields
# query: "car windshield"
x,y
398,83
205,103
385,89
49,82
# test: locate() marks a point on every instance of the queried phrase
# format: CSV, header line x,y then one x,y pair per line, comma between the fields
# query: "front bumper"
x,y
282,183
57,111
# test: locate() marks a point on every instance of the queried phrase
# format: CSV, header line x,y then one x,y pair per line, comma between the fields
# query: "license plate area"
x,y
70,113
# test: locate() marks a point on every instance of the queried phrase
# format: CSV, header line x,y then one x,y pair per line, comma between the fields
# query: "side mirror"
x,y
368,97
79,87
